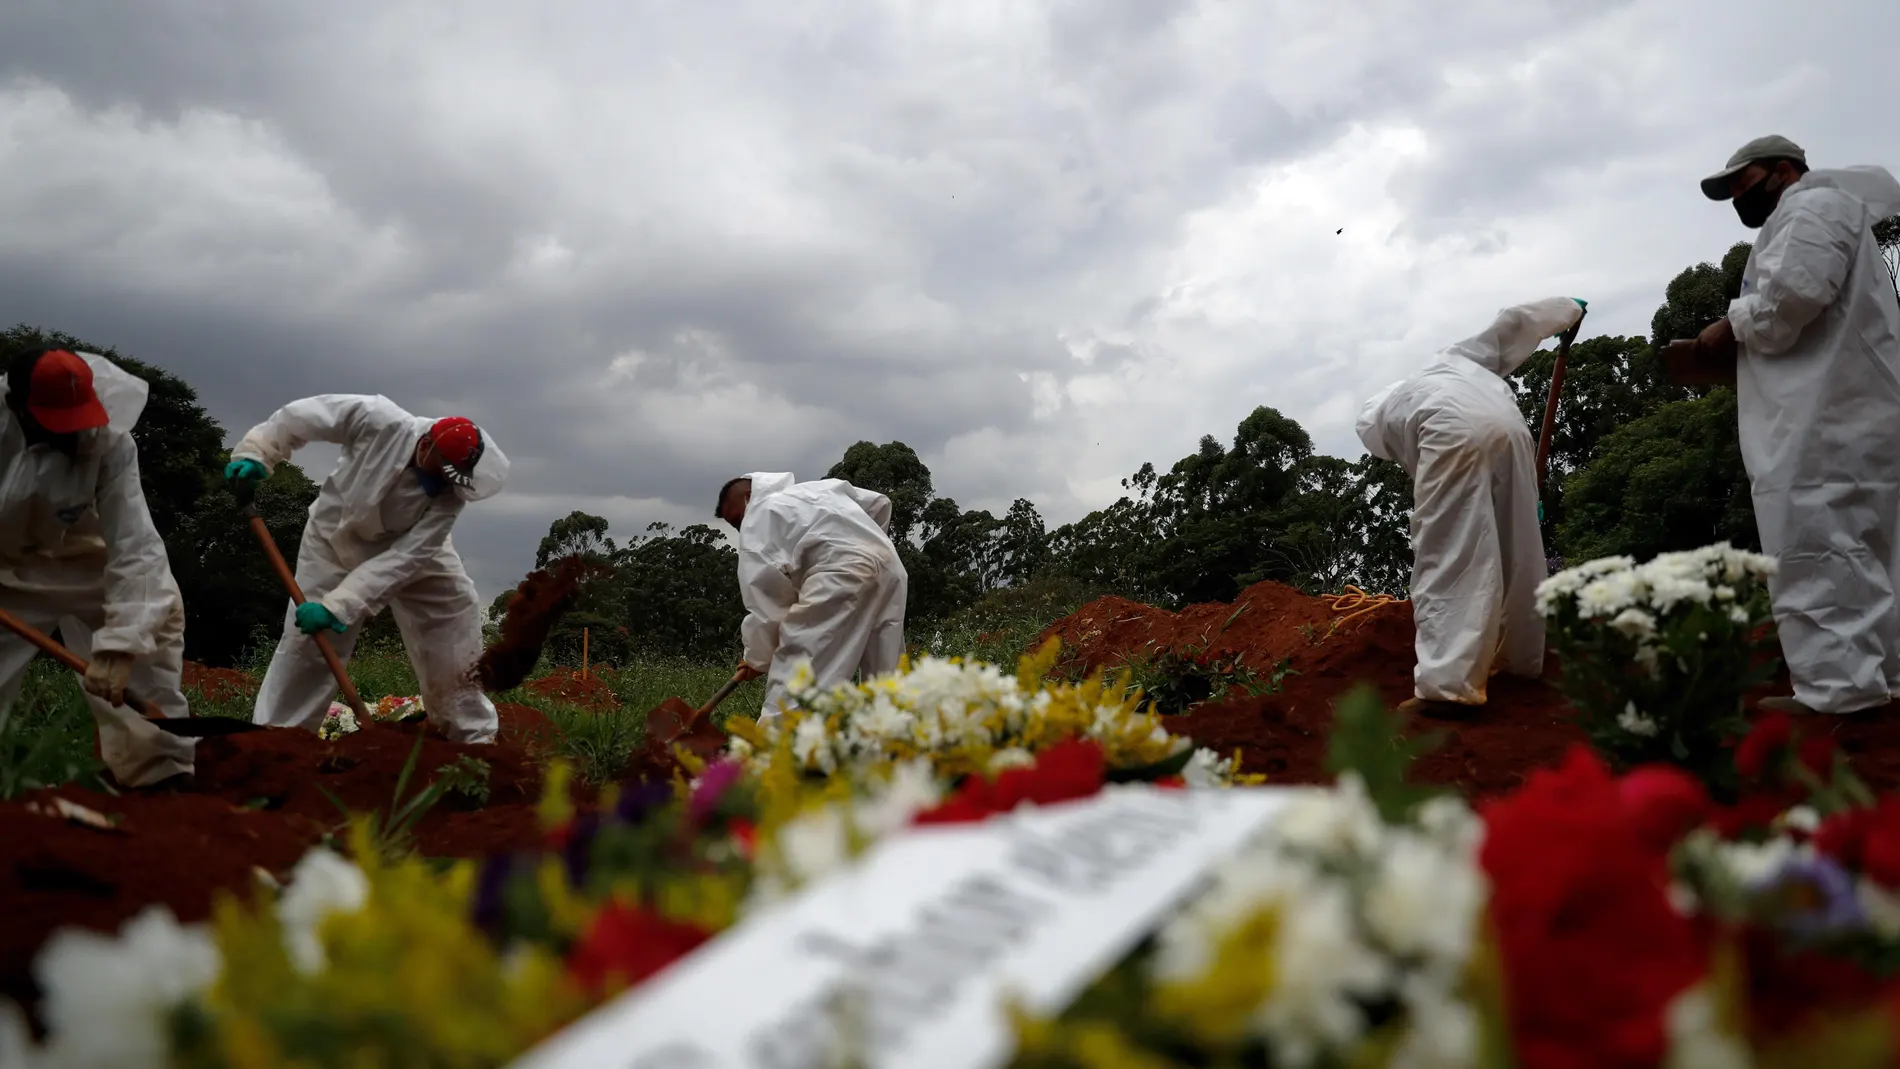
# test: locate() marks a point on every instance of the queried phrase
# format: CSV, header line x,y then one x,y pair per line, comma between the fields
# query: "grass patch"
x,y
46,736
1002,626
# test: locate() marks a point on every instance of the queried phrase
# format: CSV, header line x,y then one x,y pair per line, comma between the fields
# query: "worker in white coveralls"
x,y
1814,339
819,577
378,536
1477,553
79,554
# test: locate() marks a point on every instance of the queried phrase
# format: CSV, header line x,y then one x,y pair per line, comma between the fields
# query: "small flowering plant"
x,y
1657,656
967,718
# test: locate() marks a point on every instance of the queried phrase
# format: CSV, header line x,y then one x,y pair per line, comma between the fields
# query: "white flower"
x,y
1332,822
322,883
811,743
1801,818
1443,1032
338,722
1636,723
1697,1039
1881,906
1635,623
1207,769
1737,614
107,998
1424,902
16,1039
1012,757
1448,819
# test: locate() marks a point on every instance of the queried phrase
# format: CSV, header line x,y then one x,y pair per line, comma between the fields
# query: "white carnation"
x,y
107,998
322,883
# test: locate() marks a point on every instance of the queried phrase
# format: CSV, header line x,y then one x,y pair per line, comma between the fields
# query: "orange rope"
x,y
1355,603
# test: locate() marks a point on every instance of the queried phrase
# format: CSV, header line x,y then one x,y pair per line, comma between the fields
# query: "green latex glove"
x,y
312,617
245,470
1581,303
1540,512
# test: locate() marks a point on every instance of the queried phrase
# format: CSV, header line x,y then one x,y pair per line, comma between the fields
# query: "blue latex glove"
x,y
312,617
245,470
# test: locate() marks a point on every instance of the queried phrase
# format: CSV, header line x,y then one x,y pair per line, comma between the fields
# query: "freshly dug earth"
x,y
1524,725
539,603
568,685
217,684
259,804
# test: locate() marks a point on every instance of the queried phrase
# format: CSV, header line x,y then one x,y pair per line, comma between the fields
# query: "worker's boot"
x,y
1438,710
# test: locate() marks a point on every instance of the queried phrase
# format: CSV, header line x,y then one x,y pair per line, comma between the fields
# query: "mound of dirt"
x,y
539,603
1526,723
217,684
568,685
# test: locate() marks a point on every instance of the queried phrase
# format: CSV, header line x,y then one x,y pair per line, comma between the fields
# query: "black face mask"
x,y
1756,203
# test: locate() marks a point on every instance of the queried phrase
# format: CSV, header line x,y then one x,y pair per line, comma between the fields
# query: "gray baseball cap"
x,y
1772,147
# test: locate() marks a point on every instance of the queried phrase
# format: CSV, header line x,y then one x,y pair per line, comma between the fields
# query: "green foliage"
x,y
1176,680
392,831
46,736
1672,480
575,535
1698,296
894,470
1003,625
1369,740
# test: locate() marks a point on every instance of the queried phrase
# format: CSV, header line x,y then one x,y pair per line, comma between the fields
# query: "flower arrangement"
x,y
339,721
1657,656
967,718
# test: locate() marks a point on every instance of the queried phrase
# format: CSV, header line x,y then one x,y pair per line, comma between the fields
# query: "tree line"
x,y
1637,466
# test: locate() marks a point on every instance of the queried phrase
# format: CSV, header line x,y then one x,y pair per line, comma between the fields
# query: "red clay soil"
x,y
257,803
1524,725
539,603
217,684
568,685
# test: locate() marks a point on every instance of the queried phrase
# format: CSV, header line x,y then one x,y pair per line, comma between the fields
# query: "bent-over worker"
x,y
79,554
378,535
820,579
1815,340
1477,552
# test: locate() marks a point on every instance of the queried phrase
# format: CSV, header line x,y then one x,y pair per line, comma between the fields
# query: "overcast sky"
x,y
651,245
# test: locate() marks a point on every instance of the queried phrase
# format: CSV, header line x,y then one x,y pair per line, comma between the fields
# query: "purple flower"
x,y
490,911
1812,897
639,800
711,787
1554,564
578,851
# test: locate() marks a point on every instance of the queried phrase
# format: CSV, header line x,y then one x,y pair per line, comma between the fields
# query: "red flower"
x,y
1171,783
1817,756
1788,986
1067,770
625,945
1770,735
745,835
1755,812
1593,953
555,839
1663,803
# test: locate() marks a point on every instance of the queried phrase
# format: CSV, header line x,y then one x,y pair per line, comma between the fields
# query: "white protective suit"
x,y
1818,394
1477,552
79,554
376,538
821,582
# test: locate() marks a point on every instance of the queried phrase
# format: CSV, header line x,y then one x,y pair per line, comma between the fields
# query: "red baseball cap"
x,y
60,396
460,443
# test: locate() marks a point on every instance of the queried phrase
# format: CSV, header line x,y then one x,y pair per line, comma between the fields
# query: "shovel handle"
x,y
289,579
719,695
70,659
1550,404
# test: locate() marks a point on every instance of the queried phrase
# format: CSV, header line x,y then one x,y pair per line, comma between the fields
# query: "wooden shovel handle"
x,y
1550,405
70,659
289,579
719,695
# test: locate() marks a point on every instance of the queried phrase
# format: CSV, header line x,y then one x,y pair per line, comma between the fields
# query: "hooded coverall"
x,y
821,582
1477,553
1817,328
79,554
377,537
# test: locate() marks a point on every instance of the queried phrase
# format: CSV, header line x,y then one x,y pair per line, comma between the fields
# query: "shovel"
x,y
1550,412
672,719
289,579
194,727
